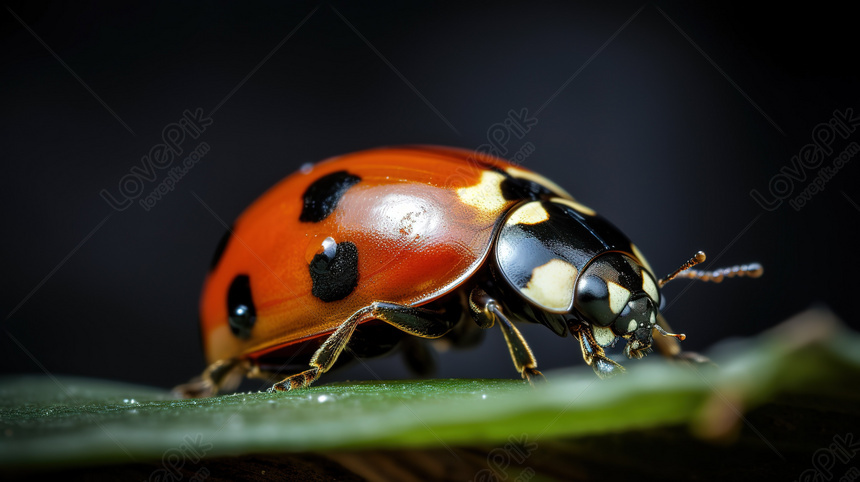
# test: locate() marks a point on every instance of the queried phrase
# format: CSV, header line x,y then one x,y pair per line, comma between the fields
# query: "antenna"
x,y
696,259
752,270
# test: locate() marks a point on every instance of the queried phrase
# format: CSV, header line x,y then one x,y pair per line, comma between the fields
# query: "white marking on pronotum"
x,y
487,194
618,296
650,288
551,285
531,213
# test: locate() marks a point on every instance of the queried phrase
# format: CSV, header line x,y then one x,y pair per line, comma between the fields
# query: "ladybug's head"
x,y
619,298
554,255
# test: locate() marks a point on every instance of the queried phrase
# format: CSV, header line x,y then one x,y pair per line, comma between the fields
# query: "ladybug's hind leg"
x,y
413,320
486,311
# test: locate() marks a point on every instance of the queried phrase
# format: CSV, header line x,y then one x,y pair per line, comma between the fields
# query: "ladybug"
x,y
358,254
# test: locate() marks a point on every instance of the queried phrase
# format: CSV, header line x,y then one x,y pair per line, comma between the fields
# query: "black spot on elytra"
x,y
321,197
334,278
219,250
519,188
241,312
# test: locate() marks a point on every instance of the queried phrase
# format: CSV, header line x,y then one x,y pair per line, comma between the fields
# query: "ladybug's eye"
x,y
241,313
592,300
607,287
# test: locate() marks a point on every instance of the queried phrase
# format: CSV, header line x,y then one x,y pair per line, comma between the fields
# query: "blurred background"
x,y
663,117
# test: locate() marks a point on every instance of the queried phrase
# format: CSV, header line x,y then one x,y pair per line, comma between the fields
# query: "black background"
x,y
663,126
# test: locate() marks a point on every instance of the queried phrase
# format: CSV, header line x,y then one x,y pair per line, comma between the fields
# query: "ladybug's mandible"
x,y
361,253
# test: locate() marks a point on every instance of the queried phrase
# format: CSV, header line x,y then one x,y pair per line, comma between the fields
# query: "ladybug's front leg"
x,y
486,311
593,353
413,320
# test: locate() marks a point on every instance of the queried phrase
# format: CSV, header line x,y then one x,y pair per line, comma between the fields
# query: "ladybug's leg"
x,y
486,312
594,355
415,321
223,375
266,372
463,335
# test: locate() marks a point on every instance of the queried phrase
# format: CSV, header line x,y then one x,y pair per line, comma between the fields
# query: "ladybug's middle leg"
x,y
413,320
486,311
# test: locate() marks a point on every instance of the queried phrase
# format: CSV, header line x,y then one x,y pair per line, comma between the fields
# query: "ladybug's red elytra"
x,y
360,253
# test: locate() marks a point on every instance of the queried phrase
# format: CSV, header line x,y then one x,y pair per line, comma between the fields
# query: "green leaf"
x,y
48,422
